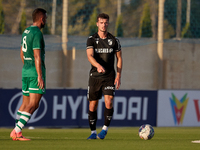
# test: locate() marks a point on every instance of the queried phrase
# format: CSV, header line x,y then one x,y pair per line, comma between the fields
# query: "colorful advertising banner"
x,y
69,108
178,108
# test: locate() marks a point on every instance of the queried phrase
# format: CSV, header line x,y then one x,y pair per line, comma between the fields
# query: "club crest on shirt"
x,y
110,41
97,40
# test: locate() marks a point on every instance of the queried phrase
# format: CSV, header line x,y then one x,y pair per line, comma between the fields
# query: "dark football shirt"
x,y
104,53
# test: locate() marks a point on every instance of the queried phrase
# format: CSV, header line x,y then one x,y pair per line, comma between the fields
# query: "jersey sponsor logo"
x,y
16,102
110,88
103,50
110,41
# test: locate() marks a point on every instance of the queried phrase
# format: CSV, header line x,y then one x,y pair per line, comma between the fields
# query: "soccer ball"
x,y
146,132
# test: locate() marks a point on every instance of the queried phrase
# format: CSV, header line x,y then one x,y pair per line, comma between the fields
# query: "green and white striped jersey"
x,y
32,38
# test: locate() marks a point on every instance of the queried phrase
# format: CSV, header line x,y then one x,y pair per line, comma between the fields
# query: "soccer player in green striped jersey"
x,y
33,71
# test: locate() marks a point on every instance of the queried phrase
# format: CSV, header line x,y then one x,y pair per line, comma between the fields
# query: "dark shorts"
x,y
99,86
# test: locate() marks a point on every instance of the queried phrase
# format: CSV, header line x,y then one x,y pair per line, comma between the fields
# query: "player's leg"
x,y
25,91
94,94
33,103
16,134
22,107
28,111
92,118
108,91
34,97
92,114
108,113
35,94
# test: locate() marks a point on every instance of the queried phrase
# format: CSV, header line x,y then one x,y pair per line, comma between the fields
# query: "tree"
x,y
178,18
154,16
186,33
118,27
22,25
145,23
2,24
92,22
109,7
78,28
16,24
169,31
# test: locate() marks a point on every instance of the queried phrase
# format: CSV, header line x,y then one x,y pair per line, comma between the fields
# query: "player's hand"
x,y
117,82
100,69
40,82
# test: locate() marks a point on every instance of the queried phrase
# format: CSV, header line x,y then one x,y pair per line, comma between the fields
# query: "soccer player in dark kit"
x,y
102,47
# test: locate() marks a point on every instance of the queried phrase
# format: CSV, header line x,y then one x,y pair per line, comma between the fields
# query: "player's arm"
x,y
38,65
119,69
22,55
90,56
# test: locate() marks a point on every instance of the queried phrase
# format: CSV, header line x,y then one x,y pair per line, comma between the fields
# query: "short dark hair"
x,y
37,14
103,16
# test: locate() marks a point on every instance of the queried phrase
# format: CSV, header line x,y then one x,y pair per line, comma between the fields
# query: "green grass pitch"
x,y
165,138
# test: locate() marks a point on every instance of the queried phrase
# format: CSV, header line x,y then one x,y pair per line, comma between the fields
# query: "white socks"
x,y
94,131
105,128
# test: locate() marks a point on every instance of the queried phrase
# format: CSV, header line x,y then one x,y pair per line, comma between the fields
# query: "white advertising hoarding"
x,y
178,108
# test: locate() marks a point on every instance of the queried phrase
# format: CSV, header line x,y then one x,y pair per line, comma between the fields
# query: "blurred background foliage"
x,y
138,18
